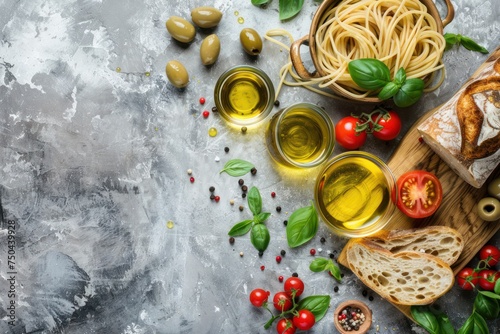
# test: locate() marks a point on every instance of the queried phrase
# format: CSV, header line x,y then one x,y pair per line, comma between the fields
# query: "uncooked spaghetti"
x,y
400,33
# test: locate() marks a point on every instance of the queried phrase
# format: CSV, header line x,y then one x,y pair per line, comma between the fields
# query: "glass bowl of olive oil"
x,y
354,193
301,135
244,95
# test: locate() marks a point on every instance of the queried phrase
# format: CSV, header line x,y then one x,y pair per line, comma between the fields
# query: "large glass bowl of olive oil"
x,y
354,193
301,135
244,95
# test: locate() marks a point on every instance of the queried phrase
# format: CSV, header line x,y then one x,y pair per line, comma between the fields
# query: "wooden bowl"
x,y
310,40
357,304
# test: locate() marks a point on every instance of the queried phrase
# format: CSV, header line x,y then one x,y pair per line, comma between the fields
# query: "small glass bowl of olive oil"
x,y
354,193
244,95
301,135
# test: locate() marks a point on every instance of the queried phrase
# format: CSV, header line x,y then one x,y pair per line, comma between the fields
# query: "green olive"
x,y
494,188
488,209
206,17
210,49
177,74
180,29
251,41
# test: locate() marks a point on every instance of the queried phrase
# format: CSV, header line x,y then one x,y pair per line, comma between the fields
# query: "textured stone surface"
x,y
93,164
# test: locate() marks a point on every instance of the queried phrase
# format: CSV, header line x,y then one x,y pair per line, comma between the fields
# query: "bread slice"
x,y
405,278
441,241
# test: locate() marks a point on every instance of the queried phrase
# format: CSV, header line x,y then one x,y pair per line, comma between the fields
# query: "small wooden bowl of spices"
x,y
352,316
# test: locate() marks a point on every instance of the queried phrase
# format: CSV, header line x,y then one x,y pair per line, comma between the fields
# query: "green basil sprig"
x,y
486,306
318,305
259,234
323,264
475,324
237,167
287,8
302,226
373,74
467,42
432,320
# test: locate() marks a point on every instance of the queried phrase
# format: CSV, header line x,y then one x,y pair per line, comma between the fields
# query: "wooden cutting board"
x,y
458,209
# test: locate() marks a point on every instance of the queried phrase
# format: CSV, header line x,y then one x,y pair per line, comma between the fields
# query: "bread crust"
x,y
405,278
470,118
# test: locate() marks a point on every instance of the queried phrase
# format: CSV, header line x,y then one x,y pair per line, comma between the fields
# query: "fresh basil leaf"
x,y
254,200
289,8
490,294
451,40
446,327
425,318
409,93
400,76
318,305
335,271
496,289
240,228
487,307
475,324
471,45
260,2
261,217
369,73
319,264
237,167
389,91
302,226
259,236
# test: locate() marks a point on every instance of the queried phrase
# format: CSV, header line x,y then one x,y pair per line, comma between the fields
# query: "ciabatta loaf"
x,y
441,241
465,131
405,278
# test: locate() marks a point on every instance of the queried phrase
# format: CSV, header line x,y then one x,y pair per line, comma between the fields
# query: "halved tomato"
x,y
420,193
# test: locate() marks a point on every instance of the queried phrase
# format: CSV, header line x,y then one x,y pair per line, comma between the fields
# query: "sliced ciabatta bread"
x,y
406,278
441,241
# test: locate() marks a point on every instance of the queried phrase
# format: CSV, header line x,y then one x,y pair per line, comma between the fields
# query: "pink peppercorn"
x,y
202,100
206,113
273,194
217,198
191,179
262,268
280,278
278,259
312,251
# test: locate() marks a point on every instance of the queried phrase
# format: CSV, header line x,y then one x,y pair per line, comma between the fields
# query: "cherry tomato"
x,y
304,320
389,125
346,134
420,194
488,278
294,286
258,297
490,255
282,301
467,278
285,326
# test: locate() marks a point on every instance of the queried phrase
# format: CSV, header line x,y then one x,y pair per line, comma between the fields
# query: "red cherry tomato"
x,y
420,194
467,278
390,125
258,297
285,326
304,320
488,278
490,255
282,301
294,286
346,134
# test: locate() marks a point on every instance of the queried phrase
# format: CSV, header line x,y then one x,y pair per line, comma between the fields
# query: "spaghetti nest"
x,y
400,33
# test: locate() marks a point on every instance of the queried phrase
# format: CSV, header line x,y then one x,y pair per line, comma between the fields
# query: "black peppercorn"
x,y
244,188
285,222
336,289
332,256
283,252
212,197
295,275
278,208
214,109
253,171
231,240
277,103
322,240
212,189
370,298
241,208
243,195
261,253
241,182
226,149
364,293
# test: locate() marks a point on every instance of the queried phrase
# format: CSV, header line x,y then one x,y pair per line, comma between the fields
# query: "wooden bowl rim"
x,y
353,303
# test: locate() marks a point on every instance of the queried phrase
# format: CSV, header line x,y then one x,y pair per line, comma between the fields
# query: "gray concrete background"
x,y
93,165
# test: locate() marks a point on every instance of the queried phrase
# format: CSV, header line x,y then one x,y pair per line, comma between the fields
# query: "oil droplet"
x,y
170,224
147,74
212,132
241,20
118,69
236,13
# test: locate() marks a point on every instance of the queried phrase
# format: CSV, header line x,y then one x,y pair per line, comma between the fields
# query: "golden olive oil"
x,y
244,96
301,135
353,193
